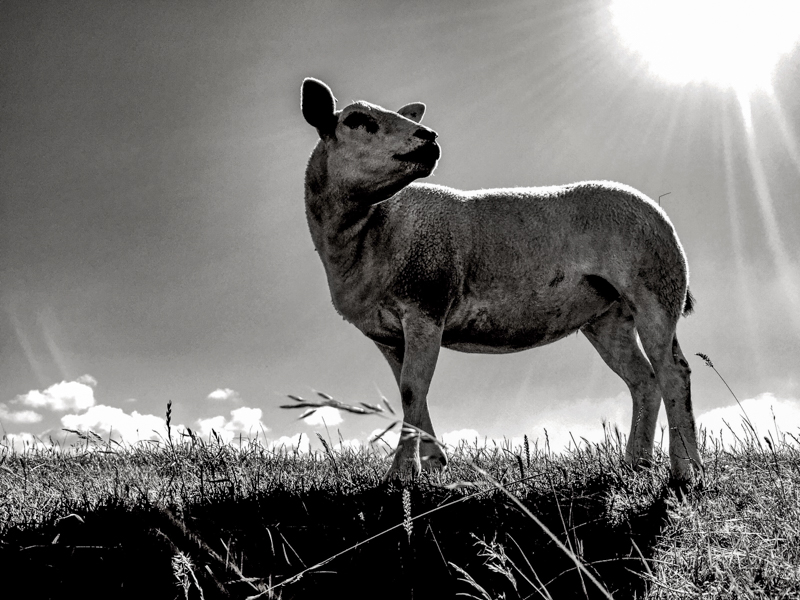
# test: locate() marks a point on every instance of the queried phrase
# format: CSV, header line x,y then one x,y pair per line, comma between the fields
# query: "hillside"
x,y
187,518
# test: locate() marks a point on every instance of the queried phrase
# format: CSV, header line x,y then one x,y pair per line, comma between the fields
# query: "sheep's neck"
x,y
337,216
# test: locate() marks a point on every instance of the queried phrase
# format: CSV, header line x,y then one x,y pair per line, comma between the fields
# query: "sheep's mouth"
x,y
427,154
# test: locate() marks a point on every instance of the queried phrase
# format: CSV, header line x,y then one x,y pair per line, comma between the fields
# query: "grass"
x,y
739,537
189,518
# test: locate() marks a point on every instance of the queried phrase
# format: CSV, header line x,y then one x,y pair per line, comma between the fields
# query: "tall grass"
x,y
204,518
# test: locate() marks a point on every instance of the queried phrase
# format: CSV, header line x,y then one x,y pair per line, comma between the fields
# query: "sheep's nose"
x,y
428,135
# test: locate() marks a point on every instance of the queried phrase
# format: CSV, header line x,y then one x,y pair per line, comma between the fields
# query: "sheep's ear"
x,y
413,111
318,105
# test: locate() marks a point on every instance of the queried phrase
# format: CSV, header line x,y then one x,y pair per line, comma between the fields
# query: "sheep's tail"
x,y
688,306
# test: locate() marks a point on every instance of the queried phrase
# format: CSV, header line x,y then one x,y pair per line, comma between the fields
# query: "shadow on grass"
x,y
130,551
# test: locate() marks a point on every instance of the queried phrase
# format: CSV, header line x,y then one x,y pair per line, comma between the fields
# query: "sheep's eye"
x,y
358,119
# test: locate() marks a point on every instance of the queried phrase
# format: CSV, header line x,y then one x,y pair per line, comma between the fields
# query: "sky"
x,y
154,245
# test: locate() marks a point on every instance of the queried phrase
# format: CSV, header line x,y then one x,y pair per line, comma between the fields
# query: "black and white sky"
x,y
154,241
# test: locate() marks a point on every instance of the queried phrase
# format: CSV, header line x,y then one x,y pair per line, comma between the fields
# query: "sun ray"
x,y
668,135
47,321
743,297
786,130
780,256
24,342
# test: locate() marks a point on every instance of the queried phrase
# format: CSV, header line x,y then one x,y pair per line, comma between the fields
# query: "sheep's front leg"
x,y
413,369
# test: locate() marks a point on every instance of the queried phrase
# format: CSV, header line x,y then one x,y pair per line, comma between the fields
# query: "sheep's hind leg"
x,y
613,335
657,332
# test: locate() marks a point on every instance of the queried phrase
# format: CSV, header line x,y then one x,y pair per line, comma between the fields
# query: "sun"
x,y
731,43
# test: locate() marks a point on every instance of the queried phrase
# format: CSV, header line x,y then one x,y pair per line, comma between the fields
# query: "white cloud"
x,y
454,438
327,415
581,420
21,441
760,412
584,420
298,441
105,420
223,394
578,420
18,416
204,426
353,444
245,421
390,437
67,395
87,379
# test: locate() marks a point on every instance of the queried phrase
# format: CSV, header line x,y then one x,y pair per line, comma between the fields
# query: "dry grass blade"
x,y
329,452
388,406
467,578
328,400
314,405
308,413
384,432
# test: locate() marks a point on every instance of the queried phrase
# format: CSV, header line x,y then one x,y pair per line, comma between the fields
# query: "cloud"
x,y
298,441
390,437
19,416
67,395
223,394
765,411
105,420
576,421
454,438
87,379
21,441
121,426
327,415
584,421
353,444
580,420
245,421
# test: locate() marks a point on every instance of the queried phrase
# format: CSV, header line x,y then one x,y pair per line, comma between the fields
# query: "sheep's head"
x,y
370,149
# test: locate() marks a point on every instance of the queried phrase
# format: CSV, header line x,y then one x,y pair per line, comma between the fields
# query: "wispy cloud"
x,y
87,380
224,394
67,395
245,421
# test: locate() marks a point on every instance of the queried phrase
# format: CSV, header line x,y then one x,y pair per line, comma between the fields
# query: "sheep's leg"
x,y
413,368
657,333
613,335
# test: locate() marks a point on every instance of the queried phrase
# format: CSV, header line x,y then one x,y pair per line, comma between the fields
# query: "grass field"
x,y
187,518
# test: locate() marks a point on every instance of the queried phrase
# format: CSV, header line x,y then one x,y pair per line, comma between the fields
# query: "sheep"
x,y
416,267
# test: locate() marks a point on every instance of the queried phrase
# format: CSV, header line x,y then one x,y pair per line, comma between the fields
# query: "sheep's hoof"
x,y
433,459
686,474
403,469
641,463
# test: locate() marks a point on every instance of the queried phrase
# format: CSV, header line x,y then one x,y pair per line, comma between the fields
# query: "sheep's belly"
x,y
498,329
